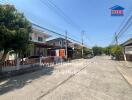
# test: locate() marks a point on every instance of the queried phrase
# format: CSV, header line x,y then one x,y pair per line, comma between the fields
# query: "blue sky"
x,y
93,16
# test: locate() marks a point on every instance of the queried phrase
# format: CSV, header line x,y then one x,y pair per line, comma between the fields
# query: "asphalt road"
x,y
92,79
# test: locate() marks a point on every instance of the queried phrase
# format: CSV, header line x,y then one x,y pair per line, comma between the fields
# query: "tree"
x,y
14,30
97,50
117,52
107,50
87,51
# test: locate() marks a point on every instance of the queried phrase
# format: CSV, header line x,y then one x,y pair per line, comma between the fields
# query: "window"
x,y
40,39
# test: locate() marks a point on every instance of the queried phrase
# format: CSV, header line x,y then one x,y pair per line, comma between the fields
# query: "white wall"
x,y
35,36
128,50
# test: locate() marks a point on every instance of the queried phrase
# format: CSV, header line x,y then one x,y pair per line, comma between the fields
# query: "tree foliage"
x,y
116,51
87,51
97,50
107,50
14,29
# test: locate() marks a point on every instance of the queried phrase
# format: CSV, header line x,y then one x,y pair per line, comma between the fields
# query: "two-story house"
x,y
60,47
59,42
38,38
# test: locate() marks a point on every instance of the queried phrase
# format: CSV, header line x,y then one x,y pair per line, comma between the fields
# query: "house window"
x,y
40,39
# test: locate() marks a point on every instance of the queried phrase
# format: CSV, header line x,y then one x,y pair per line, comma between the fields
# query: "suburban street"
x,y
65,50
83,79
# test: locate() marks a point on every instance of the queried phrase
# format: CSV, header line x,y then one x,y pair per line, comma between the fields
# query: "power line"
x,y
58,11
124,31
126,25
87,37
67,17
55,32
45,21
50,4
127,15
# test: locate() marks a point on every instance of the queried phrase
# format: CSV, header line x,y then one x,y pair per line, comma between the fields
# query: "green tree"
x,y
117,52
97,50
87,51
107,50
14,30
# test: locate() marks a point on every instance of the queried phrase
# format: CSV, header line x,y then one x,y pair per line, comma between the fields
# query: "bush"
x,y
116,51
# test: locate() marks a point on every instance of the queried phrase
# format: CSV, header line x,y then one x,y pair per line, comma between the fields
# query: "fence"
x,y
12,65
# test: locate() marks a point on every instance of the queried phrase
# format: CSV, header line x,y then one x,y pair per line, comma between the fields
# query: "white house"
x,y
38,38
127,46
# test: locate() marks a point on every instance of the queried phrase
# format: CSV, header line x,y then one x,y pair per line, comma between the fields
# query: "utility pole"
x,y
116,38
66,44
82,35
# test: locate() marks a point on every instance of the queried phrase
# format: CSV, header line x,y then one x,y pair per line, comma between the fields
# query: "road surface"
x,y
85,79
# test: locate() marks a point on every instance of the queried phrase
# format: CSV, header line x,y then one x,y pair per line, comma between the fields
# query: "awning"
x,y
45,45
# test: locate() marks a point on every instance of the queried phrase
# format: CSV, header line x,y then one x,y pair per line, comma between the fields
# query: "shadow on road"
x,y
17,82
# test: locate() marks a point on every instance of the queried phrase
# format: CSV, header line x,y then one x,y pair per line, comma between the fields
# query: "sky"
x,y
91,16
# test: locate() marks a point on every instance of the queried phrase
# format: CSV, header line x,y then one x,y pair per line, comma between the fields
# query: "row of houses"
x,y
44,46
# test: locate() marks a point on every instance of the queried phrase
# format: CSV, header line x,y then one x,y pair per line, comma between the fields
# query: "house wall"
x,y
59,43
128,50
39,51
128,53
129,57
38,37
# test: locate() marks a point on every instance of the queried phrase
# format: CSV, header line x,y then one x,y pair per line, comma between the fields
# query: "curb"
x,y
123,74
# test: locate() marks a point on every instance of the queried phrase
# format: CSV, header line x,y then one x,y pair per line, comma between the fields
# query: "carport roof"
x,y
44,45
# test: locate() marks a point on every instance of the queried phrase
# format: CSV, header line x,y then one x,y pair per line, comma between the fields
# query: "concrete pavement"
x,y
92,79
125,69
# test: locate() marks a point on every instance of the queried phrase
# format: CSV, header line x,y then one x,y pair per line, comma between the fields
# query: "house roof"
x,y
127,43
117,8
